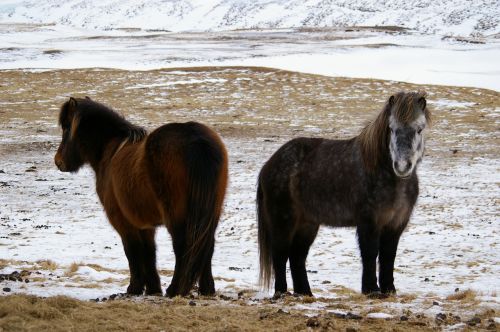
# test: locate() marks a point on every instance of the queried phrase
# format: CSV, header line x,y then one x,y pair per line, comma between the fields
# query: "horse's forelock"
x,y
404,109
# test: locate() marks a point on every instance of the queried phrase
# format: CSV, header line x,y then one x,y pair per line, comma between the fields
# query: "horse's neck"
x,y
100,166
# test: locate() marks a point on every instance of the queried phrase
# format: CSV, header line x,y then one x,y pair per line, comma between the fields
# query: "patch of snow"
x,y
379,315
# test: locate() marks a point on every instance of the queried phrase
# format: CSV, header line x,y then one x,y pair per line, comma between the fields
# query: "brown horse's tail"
x,y
206,161
265,252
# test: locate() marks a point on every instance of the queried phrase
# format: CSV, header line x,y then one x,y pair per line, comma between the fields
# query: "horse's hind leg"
x,y
151,277
206,282
299,249
389,240
178,234
368,238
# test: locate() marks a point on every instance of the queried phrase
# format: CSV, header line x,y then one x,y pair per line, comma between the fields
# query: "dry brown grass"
x,y
28,313
463,296
71,270
46,264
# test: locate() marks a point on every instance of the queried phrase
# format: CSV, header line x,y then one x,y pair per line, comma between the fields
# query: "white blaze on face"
x,y
406,144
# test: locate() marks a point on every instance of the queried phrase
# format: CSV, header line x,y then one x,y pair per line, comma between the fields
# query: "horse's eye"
x,y
419,130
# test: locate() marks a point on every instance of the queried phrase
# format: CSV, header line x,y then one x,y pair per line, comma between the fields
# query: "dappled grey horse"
x,y
368,182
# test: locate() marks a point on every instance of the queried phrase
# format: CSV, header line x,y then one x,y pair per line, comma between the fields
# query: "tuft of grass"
x,y
47,264
72,269
466,296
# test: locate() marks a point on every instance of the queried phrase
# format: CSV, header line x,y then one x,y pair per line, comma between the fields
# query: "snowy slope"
x,y
448,17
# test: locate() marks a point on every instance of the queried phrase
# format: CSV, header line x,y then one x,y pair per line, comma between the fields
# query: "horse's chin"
x,y
403,176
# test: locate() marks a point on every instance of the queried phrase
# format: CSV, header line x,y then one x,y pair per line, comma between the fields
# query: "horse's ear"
x,y
391,100
422,103
72,102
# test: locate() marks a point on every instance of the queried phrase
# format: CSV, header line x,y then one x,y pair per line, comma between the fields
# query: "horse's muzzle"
x,y
60,164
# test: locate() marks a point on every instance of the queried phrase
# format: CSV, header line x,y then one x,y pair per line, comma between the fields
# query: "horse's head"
x,y
408,117
68,157
88,127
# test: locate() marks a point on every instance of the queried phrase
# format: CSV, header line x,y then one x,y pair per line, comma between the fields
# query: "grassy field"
x,y
260,108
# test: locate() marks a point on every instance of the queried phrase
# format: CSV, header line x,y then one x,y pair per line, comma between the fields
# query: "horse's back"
x,y
175,153
284,162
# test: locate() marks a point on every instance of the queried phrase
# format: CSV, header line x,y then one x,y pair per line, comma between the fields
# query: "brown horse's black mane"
x,y
88,115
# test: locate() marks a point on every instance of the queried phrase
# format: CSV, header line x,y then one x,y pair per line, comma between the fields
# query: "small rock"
x,y
403,318
426,279
192,303
440,317
457,290
350,315
224,297
435,303
263,315
112,296
326,282
492,326
474,321
313,322
350,329
6,289
26,280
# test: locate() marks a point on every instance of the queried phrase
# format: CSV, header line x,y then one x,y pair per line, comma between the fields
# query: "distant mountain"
x,y
447,17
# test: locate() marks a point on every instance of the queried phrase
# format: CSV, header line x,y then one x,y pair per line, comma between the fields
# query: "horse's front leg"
x,y
368,238
389,240
132,243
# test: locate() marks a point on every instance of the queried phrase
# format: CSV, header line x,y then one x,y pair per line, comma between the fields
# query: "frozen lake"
x,y
381,53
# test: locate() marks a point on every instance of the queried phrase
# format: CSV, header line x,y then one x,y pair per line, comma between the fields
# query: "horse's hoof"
x,y
377,295
389,290
279,295
131,290
298,294
208,292
155,291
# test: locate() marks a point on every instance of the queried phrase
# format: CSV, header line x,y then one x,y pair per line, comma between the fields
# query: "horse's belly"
x,y
335,215
140,206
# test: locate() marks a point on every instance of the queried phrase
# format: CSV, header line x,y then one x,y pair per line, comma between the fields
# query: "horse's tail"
x,y
265,253
206,161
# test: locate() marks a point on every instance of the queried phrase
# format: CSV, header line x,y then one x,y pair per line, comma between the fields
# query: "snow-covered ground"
x,y
367,53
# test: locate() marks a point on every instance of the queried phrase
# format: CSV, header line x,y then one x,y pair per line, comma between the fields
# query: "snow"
x,y
379,315
445,17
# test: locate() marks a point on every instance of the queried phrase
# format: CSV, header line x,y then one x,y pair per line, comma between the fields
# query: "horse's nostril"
x,y
396,165
409,165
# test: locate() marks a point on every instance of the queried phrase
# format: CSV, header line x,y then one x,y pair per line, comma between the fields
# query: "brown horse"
x,y
369,182
176,176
